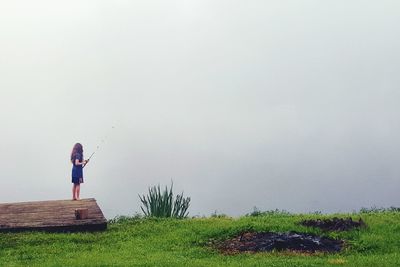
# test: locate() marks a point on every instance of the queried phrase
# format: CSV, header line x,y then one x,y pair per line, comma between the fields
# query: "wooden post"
x,y
81,214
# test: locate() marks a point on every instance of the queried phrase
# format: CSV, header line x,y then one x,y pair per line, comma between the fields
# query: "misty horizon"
x,y
275,105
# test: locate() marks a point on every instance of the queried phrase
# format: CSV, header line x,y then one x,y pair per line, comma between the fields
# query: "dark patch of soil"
x,y
268,241
334,224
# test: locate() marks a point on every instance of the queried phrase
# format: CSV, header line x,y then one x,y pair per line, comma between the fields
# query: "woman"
x,y
77,169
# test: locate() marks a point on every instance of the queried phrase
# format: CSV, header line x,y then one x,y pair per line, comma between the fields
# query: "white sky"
x,y
275,104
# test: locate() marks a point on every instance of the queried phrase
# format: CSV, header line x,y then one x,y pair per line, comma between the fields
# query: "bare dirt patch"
x,y
269,241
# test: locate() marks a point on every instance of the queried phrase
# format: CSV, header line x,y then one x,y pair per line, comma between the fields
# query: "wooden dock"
x,y
53,216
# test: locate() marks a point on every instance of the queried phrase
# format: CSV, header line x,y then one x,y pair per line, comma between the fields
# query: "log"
x,y
81,214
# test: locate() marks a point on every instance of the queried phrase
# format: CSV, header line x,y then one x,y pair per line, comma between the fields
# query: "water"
x,y
240,104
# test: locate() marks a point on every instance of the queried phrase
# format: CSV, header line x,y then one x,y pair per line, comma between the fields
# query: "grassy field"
x,y
173,242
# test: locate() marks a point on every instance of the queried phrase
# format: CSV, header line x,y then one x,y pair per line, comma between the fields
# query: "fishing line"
x,y
98,146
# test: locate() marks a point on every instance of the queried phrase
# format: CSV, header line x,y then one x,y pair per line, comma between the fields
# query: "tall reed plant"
x,y
159,203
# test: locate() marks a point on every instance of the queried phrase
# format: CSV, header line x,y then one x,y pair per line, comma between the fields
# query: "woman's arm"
x,y
83,162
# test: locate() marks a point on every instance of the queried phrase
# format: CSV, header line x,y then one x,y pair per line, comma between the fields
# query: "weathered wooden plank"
x,y
49,210
52,223
54,215
40,205
44,209
48,202
39,219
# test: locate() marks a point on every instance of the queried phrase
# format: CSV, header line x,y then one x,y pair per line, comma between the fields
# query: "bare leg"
x,y
78,189
73,192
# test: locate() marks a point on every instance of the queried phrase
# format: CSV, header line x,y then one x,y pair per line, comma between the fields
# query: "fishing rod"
x,y
97,148
91,156
88,159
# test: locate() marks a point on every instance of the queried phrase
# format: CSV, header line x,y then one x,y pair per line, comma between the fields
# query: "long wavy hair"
x,y
78,149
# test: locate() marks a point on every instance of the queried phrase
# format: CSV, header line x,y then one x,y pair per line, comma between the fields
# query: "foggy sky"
x,y
275,104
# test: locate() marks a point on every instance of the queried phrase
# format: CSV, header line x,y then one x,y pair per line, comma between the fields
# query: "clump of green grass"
x,y
376,209
164,204
256,212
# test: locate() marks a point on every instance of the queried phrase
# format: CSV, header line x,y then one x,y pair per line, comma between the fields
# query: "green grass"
x,y
174,242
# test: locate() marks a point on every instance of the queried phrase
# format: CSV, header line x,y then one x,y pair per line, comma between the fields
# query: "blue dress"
x,y
77,170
